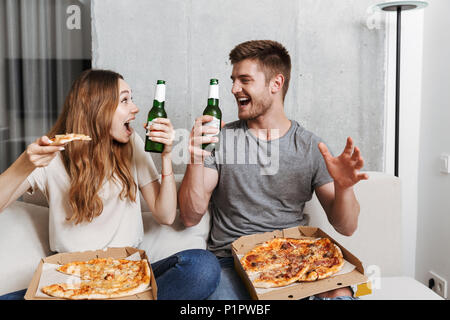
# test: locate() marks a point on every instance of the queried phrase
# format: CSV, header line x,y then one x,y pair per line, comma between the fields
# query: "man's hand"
x,y
344,169
196,139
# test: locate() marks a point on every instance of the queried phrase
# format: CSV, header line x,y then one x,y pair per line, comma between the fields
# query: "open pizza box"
x,y
117,253
298,290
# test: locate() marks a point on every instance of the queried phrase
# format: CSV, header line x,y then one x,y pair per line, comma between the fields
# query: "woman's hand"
x,y
40,153
161,130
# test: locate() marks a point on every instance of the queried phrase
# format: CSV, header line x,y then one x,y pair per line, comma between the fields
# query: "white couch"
x,y
377,242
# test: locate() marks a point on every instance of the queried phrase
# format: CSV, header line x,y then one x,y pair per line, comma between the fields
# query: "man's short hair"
x,y
271,55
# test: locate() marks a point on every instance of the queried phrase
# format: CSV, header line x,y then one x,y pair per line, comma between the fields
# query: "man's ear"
x,y
276,84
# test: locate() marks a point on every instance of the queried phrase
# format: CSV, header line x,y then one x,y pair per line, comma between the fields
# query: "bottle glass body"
x,y
212,109
157,111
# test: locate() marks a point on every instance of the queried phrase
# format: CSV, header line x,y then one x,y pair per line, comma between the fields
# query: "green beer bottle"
x,y
212,109
157,111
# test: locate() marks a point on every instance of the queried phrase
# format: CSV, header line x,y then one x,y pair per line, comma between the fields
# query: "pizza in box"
x,y
102,278
282,261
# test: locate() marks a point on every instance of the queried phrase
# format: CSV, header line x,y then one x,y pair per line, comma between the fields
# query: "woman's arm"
x,y
162,198
13,182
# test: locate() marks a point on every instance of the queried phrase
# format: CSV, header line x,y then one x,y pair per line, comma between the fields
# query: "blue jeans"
x,y
231,286
187,275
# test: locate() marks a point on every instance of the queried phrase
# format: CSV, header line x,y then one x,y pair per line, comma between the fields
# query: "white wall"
x,y
433,236
410,109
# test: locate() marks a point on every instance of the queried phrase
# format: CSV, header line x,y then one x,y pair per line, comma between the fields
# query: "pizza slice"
x,y
102,279
279,277
95,289
274,252
60,139
327,260
104,268
276,262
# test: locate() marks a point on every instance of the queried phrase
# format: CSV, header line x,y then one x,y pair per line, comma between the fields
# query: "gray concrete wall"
x,y
337,86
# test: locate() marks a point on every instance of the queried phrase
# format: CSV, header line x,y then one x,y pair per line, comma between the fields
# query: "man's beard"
x,y
258,108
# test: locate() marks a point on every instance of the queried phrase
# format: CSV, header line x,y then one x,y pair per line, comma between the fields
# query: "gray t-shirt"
x,y
263,185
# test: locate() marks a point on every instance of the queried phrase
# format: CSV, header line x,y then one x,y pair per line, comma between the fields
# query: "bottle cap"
x,y
213,81
160,82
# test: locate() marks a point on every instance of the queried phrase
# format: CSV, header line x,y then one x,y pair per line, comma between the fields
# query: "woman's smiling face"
x,y
124,114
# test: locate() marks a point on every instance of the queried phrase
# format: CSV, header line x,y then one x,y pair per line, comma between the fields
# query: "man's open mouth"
x,y
243,101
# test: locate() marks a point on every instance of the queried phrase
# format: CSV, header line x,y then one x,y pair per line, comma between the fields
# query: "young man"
x,y
281,165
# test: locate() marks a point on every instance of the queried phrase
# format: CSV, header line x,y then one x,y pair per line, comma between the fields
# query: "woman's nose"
x,y
134,109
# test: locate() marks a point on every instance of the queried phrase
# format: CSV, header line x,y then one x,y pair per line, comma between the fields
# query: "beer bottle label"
x,y
214,123
160,93
213,92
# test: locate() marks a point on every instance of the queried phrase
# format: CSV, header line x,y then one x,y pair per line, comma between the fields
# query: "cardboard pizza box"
x,y
297,290
117,253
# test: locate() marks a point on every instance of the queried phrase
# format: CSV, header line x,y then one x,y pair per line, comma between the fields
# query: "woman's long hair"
x,y
89,109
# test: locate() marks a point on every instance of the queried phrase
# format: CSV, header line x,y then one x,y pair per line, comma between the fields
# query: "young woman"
x,y
92,187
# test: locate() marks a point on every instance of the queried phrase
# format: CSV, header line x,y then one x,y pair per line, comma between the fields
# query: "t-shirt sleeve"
x,y
145,167
320,172
38,180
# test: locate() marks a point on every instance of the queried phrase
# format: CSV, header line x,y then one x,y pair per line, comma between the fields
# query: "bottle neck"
x,y
158,104
213,102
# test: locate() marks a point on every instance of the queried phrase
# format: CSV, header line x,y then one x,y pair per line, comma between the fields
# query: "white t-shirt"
x,y
119,224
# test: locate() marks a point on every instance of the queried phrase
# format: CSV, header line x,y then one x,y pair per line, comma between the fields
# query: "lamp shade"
x,y
404,5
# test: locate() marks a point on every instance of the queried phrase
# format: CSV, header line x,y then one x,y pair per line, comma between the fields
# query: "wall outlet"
x,y
445,163
440,284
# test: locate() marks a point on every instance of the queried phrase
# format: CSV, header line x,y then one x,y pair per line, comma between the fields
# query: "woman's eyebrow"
x,y
124,91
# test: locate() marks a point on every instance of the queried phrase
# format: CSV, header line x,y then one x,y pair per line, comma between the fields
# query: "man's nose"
x,y
236,88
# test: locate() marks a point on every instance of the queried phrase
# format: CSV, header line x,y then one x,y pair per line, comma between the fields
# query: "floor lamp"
x,y
399,6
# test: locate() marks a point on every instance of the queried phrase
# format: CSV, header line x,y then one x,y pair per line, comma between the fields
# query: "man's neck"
x,y
271,125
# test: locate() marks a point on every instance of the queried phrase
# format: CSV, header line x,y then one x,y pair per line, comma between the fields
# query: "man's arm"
x,y
198,182
195,191
337,198
341,207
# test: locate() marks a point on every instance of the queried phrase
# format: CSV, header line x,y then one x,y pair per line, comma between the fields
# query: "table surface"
x,y
401,288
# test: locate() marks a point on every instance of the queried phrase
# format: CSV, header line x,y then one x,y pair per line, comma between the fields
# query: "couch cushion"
x,y
378,240
161,241
23,242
